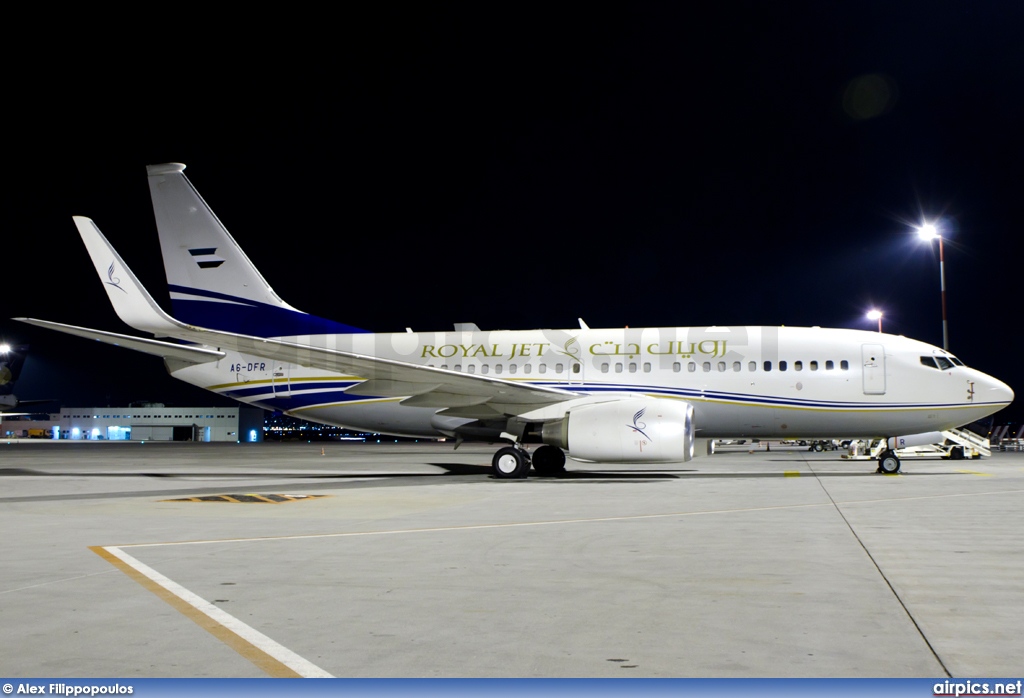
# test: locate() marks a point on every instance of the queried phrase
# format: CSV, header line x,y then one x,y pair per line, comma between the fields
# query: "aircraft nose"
x,y
998,391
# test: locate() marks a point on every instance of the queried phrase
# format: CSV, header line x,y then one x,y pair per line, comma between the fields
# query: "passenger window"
x,y
486,368
471,368
498,368
632,367
604,368
647,367
814,365
618,368
721,367
798,365
458,367
845,365
677,367
575,368
782,365
528,368
543,368
829,365
511,368
767,365
737,366
691,367
752,366
706,366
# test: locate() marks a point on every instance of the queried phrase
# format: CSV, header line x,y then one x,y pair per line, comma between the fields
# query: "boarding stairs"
x,y
957,444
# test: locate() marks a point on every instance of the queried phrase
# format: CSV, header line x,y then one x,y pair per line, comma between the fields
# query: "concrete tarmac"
x,y
410,560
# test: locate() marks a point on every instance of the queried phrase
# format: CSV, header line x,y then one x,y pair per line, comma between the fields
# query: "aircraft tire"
x,y
818,447
510,463
888,463
549,460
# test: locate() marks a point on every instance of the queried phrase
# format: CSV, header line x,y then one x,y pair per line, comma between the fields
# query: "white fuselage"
x,y
742,381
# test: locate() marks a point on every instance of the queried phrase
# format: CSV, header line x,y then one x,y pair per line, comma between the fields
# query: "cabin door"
x,y
281,379
873,362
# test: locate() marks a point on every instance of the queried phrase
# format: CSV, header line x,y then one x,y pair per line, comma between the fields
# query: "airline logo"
x,y
113,280
638,426
206,257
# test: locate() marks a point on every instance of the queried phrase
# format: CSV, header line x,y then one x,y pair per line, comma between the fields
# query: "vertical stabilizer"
x,y
211,280
11,361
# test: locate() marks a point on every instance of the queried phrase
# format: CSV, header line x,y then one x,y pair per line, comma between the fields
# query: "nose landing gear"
x,y
888,463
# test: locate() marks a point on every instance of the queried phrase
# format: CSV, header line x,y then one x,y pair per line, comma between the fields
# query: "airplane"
x,y
12,358
617,395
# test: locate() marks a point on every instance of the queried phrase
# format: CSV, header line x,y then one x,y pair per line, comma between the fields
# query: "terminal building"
x,y
151,422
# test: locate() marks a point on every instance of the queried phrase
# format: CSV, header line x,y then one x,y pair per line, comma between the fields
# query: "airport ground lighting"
x,y
5,348
874,314
928,232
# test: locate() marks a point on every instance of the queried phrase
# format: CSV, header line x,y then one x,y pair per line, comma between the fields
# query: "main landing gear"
x,y
888,463
513,462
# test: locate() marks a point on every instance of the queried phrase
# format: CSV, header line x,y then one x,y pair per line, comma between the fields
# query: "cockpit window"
x,y
943,363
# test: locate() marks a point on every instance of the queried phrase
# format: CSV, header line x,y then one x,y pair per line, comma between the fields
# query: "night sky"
x,y
520,167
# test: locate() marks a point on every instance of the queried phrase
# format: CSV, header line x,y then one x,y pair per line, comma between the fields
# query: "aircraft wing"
x,y
423,386
147,346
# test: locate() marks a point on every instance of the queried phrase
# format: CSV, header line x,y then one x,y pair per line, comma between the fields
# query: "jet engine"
x,y
630,430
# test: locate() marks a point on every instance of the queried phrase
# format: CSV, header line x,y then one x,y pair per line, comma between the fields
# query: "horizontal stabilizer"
x,y
167,350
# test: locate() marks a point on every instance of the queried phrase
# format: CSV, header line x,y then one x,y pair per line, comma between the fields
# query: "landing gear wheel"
x,y
549,460
509,463
888,463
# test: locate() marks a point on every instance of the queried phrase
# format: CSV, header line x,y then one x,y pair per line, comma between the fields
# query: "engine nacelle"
x,y
631,430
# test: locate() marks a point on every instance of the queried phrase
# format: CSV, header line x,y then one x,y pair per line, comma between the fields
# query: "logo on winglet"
x,y
113,280
206,257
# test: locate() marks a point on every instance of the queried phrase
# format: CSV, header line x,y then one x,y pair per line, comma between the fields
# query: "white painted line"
x,y
557,522
299,665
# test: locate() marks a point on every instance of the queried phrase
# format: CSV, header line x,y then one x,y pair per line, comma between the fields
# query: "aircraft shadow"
x,y
465,472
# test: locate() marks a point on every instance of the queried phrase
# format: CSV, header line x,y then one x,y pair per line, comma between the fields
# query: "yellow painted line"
x,y
791,473
975,472
276,660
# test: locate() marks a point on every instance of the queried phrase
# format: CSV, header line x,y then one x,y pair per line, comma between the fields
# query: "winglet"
x,y
131,301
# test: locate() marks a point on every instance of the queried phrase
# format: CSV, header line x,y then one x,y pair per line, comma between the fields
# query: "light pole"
x,y
876,315
928,232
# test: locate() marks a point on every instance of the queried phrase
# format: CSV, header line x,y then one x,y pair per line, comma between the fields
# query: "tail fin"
x,y
212,282
11,361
